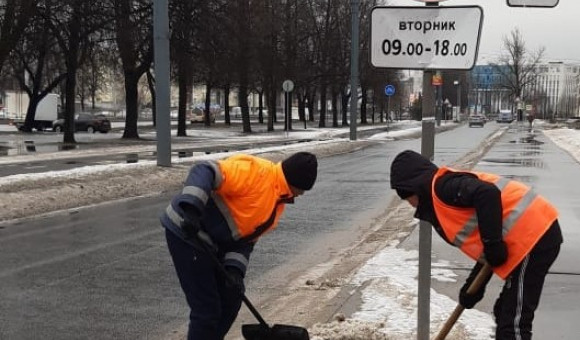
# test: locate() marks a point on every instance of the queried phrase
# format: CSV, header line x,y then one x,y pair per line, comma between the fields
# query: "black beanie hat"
x,y
300,170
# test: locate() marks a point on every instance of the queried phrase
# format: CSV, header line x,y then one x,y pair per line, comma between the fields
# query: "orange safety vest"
x,y
526,217
249,192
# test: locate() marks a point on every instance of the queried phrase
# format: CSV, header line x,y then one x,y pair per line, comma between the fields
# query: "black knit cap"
x,y
300,170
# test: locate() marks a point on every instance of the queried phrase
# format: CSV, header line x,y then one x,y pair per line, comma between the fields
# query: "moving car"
x,y
505,116
85,122
476,120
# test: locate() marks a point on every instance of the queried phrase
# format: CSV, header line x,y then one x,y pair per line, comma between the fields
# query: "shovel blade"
x,y
276,332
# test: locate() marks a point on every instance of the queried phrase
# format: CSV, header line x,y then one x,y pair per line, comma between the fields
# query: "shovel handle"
x,y
473,287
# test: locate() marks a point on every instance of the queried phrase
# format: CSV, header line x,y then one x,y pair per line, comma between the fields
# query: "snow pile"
x,y
389,303
349,330
566,139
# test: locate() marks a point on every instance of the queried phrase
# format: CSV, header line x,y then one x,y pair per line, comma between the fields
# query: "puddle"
x,y
132,158
526,162
530,139
522,178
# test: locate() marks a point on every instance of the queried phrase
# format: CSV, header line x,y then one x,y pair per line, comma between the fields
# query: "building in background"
x,y
552,92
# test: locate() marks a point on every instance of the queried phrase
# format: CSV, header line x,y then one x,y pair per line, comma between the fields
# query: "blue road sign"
x,y
389,90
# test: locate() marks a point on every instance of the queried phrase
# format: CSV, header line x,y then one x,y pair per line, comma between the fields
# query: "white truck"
x,y
46,112
15,104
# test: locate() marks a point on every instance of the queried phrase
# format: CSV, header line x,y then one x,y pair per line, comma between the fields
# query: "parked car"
x,y
476,120
85,122
196,115
505,116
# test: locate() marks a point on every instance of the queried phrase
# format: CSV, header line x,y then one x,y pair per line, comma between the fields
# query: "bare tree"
x,y
92,74
518,66
183,48
73,24
14,18
134,36
35,64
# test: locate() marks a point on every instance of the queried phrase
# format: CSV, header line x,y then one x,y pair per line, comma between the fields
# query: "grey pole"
x,y
458,99
428,151
354,68
162,106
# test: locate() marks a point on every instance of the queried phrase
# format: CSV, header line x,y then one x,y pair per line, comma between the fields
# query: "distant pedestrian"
x,y
491,219
229,204
531,118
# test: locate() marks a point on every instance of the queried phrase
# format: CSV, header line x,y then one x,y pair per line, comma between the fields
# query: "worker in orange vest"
x,y
228,204
491,219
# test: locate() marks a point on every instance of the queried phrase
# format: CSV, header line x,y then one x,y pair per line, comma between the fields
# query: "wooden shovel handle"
x,y
473,287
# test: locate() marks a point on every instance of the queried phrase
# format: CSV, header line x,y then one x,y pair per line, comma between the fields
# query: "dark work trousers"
x,y
213,305
520,296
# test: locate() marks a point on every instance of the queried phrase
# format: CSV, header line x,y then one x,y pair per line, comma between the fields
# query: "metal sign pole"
x,y
162,94
354,49
428,151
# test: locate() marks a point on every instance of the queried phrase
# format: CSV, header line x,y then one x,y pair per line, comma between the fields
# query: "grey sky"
x,y
555,28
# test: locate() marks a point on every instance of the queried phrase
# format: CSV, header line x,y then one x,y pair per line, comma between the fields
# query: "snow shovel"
x,y
261,331
474,287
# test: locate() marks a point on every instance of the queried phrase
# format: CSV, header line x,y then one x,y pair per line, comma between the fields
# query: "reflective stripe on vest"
x,y
223,208
178,220
526,217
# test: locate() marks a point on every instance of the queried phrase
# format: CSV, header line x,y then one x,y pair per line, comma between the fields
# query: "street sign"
x,y
288,85
532,3
425,37
389,90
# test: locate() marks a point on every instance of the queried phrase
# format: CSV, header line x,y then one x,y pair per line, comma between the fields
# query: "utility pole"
x,y
162,94
354,49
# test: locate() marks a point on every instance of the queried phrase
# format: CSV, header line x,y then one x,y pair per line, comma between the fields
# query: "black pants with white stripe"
x,y
515,307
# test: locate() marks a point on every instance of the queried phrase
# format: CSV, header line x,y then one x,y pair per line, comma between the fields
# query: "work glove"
x,y
495,253
190,226
470,300
236,279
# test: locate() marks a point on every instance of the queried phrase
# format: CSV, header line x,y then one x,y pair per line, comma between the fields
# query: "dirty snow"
x,y
389,303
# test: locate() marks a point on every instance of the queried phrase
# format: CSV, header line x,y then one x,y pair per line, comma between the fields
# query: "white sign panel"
x,y
532,3
425,37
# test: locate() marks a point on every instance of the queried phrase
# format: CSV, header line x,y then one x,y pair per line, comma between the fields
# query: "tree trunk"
x,y
344,98
322,116
182,103
206,111
132,104
334,101
311,105
151,84
227,104
243,103
301,107
69,112
31,113
271,100
363,106
261,107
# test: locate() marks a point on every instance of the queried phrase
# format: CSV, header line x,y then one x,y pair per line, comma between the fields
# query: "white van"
x,y
505,116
